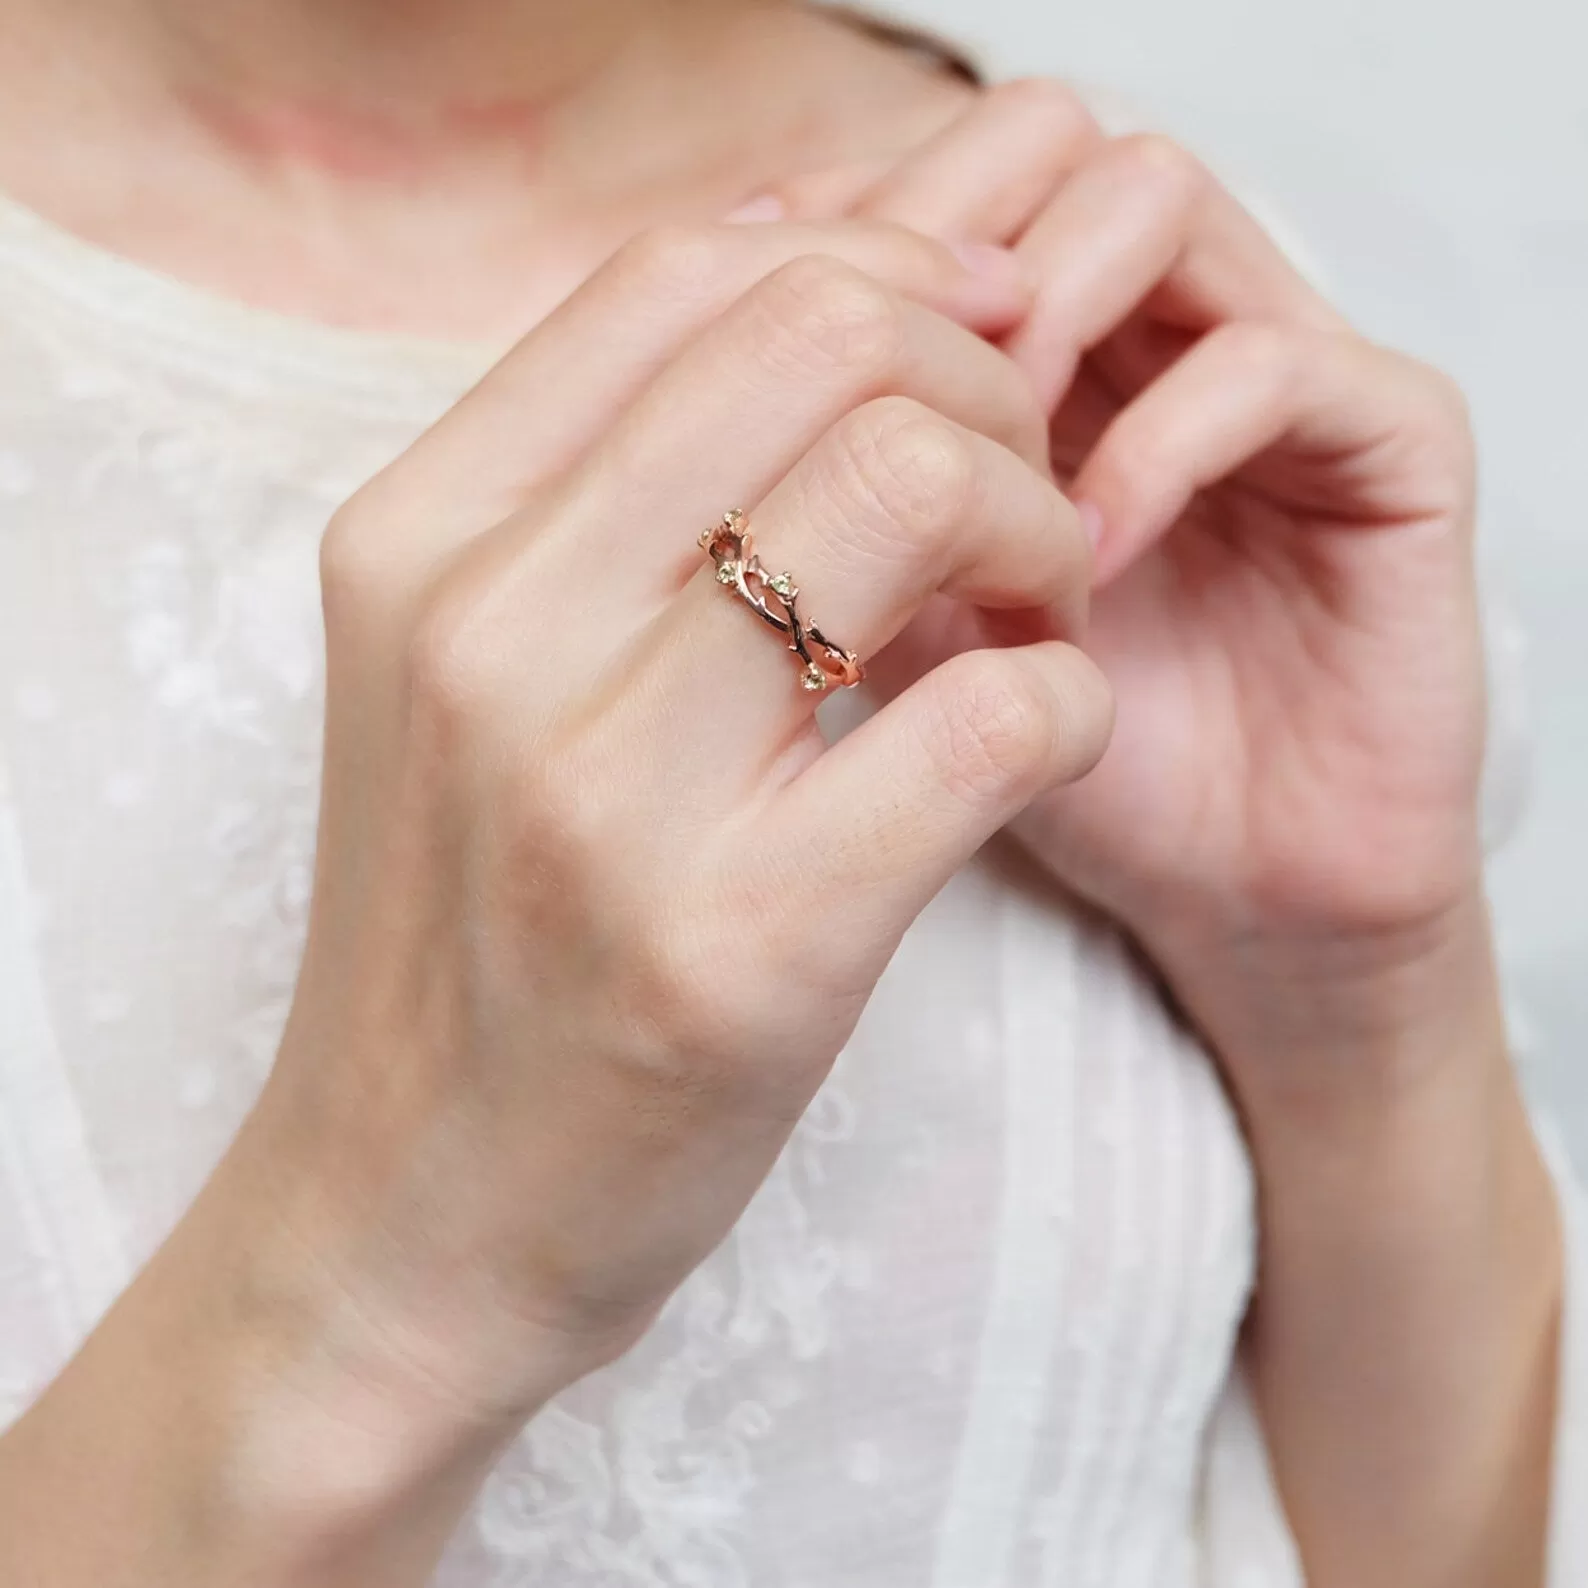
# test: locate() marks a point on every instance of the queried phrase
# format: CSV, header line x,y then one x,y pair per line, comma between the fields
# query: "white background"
x,y
1433,155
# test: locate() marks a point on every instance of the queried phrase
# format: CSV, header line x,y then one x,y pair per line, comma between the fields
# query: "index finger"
x,y
552,397
1143,229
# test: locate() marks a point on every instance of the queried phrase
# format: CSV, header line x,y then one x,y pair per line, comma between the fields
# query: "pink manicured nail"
x,y
1091,517
763,207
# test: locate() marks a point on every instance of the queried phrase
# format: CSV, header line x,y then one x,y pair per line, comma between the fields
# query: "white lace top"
x,y
976,1330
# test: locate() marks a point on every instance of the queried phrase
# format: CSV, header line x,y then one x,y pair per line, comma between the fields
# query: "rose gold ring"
x,y
728,544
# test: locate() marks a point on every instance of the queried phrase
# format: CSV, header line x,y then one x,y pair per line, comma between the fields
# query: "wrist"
x,y
1407,1312
1374,1079
220,1424
322,1435
1321,1019
1403,1334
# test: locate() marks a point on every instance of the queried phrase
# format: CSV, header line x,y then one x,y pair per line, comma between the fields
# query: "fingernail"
x,y
763,207
990,261
1091,517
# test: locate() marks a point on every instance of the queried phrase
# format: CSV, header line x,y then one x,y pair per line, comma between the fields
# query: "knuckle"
x,y
448,662
1159,158
813,195
1050,102
676,261
997,729
1446,433
910,465
1449,397
825,313
1255,349
353,570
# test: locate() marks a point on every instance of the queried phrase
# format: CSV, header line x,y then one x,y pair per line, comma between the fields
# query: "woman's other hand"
x,y
1287,815
1287,606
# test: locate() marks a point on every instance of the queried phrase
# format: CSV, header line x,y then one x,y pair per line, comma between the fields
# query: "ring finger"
x,y
893,505
721,425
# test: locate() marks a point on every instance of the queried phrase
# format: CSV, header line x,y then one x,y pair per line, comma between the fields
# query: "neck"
x,y
370,160
369,50
402,90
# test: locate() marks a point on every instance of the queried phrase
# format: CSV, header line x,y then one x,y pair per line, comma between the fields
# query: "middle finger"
x,y
738,409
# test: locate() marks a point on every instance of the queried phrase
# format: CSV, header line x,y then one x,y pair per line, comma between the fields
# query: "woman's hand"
x,y
595,911
595,908
1287,817
1290,611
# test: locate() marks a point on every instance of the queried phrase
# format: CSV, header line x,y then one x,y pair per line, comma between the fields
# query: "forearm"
x,y
1403,1340
227,1424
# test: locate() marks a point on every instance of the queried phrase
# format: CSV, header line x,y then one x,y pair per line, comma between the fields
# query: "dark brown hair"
x,y
937,51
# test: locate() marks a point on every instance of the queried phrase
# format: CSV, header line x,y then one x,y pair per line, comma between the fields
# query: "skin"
x,y
1287,815
453,170
583,942
309,1381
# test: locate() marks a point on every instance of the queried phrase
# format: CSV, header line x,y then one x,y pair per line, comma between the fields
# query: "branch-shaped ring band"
x,y
825,664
